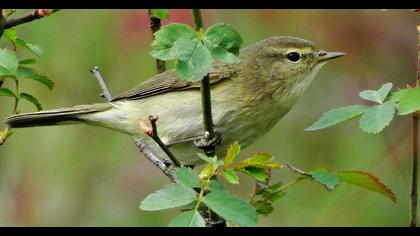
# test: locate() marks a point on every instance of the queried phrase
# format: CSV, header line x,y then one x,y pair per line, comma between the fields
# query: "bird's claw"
x,y
207,144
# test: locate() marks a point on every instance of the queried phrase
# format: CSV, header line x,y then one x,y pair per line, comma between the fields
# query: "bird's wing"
x,y
169,81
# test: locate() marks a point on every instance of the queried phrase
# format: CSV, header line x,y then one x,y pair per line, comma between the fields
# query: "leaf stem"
x,y
413,195
205,89
155,24
15,106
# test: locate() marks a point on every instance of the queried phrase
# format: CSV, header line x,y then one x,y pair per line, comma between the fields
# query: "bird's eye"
x,y
293,56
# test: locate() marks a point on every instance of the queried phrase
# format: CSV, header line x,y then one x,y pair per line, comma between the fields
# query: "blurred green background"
x,y
88,176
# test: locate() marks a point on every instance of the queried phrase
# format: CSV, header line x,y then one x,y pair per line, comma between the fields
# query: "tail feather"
x,y
55,117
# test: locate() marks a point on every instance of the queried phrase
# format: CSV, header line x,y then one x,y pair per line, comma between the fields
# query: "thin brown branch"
x,y
147,152
413,195
152,132
34,15
155,24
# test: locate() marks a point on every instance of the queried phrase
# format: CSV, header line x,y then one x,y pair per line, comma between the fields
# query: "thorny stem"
x,y
155,24
147,152
413,218
205,89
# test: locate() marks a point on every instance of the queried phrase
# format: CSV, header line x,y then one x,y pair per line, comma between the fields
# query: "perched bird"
x,y
248,99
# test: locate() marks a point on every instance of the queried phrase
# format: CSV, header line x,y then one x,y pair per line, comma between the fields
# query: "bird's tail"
x,y
60,116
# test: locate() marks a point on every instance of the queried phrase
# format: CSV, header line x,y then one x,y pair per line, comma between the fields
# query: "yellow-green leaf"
x,y
232,152
368,181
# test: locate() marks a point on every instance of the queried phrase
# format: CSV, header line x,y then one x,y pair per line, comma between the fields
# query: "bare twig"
x,y
155,24
37,14
147,152
167,170
105,91
413,218
152,132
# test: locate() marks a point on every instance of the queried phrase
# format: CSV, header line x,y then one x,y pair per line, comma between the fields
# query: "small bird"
x,y
248,98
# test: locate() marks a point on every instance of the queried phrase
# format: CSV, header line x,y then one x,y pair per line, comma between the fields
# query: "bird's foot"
x,y
208,144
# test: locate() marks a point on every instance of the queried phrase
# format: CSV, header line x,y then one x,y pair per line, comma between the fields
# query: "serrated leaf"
x,y
409,102
384,90
35,49
32,100
324,177
170,196
232,153
194,59
231,208
26,72
261,159
160,13
230,176
188,177
206,158
208,170
367,181
223,42
337,115
188,219
216,185
8,60
376,96
28,61
396,96
256,172
166,37
377,117
276,196
7,92
265,208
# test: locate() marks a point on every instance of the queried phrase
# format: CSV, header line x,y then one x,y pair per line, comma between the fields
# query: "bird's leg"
x,y
208,144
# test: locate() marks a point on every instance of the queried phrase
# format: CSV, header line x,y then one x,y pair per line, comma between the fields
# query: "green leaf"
x,y
337,115
8,60
376,96
223,42
216,185
160,13
28,61
31,99
166,37
10,34
396,96
377,117
232,152
7,92
265,208
409,102
188,219
276,196
208,170
26,72
261,159
324,177
206,158
194,59
230,176
35,49
367,181
188,177
256,172
231,208
170,196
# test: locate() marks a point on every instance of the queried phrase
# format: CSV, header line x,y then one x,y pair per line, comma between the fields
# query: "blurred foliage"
x,y
87,176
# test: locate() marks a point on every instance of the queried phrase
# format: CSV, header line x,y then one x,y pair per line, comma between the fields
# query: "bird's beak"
x,y
324,56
